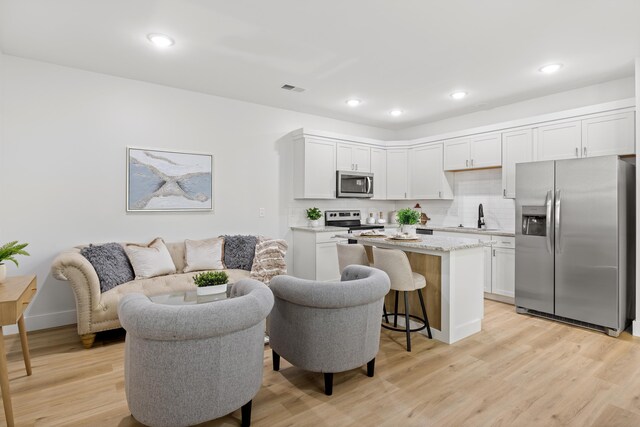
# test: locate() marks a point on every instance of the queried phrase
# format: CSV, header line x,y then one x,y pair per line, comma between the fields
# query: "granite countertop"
x,y
467,230
471,230
320,229
426,242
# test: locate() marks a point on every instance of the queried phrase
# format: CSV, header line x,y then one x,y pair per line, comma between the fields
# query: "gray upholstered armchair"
x,y
328,327
188,364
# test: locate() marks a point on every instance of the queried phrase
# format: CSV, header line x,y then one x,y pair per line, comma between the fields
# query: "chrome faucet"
x,y
480,216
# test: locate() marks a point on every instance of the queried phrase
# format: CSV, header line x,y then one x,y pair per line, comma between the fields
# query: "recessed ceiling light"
x,y
396,113
160,40
353,102
550,68
458,95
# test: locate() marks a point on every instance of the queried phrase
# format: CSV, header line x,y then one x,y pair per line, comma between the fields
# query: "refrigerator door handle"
x,y
548,204
558,235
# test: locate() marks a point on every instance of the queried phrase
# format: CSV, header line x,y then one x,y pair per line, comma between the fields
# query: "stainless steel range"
x,y
349,219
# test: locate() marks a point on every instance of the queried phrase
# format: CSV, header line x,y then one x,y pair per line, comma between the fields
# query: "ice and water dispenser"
x,y
534,220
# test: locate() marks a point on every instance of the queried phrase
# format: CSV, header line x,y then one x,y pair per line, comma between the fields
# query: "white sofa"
x,y
98,311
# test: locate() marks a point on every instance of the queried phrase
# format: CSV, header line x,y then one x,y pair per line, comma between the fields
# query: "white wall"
x,y
589,95
63,165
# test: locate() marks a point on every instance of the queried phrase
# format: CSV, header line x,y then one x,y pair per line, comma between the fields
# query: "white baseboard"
x,y
44,321
636,328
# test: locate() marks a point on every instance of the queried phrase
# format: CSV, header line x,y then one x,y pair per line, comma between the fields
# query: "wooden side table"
x,y
15,295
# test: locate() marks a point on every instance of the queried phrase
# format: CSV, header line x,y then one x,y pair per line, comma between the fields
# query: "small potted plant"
x,y
408,218
8,251
313,215
211,282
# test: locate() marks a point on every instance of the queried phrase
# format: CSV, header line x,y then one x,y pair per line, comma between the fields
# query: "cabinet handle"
x,y
494,252
405,195
440,194
356,166
577,152
471,162
504,192
584,151
467,163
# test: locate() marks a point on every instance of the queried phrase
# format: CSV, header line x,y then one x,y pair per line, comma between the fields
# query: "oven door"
x,y
354,184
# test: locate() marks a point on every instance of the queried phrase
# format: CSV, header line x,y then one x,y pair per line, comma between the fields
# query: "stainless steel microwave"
x,y
354,184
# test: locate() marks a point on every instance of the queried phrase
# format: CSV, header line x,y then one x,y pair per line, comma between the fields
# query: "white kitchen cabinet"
x,y
379,170
456,154
558,141
479,151
397,175
314,169
608,134
486,151
315,255
352,157
517,147
427,179
499,263
503,274
503,266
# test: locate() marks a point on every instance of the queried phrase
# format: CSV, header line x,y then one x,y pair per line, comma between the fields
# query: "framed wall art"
x,y
161,180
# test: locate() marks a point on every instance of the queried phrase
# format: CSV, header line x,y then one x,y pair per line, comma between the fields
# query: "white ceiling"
x,y
408,54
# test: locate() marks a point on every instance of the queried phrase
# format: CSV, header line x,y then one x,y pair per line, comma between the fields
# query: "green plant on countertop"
x,y
210,278
314,214
407,216
8,251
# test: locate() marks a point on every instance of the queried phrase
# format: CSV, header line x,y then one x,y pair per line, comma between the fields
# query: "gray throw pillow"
x,y
239,251
111,263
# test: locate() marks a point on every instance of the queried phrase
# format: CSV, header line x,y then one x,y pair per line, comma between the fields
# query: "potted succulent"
x,y
211,282
8,251
313,215
408,218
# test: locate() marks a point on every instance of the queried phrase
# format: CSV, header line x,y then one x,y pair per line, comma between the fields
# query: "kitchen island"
x,y
454,269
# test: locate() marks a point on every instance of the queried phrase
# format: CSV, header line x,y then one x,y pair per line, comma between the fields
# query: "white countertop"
x,y
426,242
490,232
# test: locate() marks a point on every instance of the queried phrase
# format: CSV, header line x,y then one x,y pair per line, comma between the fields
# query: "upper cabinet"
x,y
353,157
479,151
517,147
558,141
424,169
600,135
314,169
379,170
608,134
427,179
397,177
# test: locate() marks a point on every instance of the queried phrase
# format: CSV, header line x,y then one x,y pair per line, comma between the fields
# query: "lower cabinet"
x,y
499,263
503,267
315,256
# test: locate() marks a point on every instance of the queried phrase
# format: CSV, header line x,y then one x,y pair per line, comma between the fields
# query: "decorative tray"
x,y
404,239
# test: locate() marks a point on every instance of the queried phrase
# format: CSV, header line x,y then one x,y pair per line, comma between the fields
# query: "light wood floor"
x,y
518,371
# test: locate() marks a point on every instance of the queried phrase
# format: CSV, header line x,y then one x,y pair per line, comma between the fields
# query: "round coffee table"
x,y
188,297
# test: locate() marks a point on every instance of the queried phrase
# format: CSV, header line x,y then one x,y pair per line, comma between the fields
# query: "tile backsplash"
x,y
470,189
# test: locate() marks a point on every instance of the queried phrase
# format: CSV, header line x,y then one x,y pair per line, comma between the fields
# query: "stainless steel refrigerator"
x,y
575,241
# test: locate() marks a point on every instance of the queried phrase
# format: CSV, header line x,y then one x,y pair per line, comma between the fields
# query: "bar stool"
x,y
350,254
395,263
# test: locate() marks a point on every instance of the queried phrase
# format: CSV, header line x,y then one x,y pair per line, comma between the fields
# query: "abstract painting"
x,y
160,180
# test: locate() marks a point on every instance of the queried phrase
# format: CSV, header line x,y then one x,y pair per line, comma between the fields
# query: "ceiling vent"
x,y
292,88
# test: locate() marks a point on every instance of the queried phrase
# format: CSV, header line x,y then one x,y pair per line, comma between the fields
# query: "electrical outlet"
x,y
261,212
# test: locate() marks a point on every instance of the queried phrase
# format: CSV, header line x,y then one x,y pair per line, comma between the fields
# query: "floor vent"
x,y
568,321
292,88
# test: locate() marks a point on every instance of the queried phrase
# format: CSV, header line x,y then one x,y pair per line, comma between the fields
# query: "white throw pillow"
x,y
151,260
203,254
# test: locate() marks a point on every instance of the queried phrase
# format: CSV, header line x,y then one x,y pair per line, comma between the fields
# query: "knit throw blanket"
x,y
268,261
